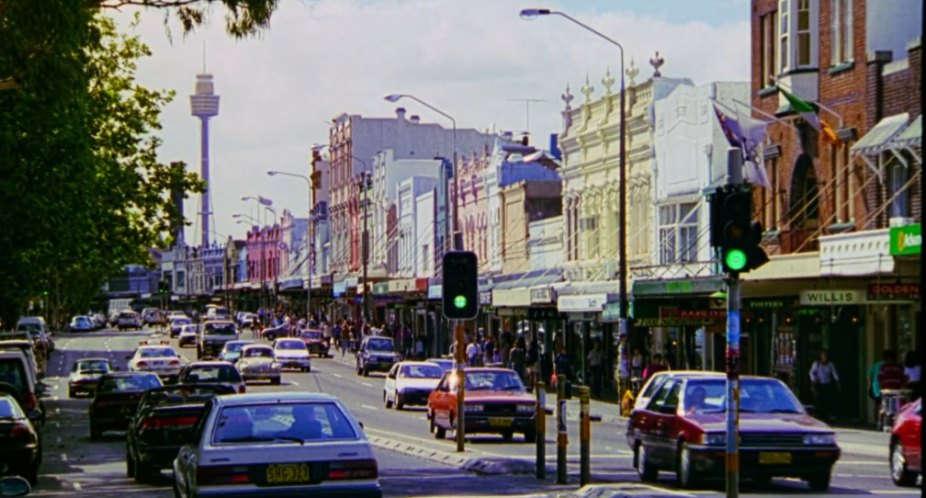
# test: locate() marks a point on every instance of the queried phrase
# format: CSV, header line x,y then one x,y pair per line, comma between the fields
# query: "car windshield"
x,y
94,366
283,423
131,383
380,344
156,352
219,328
212,374
311,334
184,393
257,353
234,347
290,345
756,396
494,379
421,371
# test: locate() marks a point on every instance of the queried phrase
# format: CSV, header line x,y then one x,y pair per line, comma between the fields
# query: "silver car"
x,y
256,362
277,444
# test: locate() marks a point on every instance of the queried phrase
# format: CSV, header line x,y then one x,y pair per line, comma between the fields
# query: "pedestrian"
x,y
517,358
595,360
336,335
656,365
636,365
489,348
912,371
473,353
533,356
562,366
885,373
824,382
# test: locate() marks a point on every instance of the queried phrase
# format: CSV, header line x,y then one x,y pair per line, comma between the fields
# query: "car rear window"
x,y
93,367
257,353
380,344
282,423
12,372
9,408
129,384
157,352
219,329
421,371
291,345
212,374
183,394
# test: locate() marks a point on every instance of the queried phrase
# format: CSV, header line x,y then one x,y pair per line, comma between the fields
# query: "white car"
x,y
277,444
410,383
128,319
256,363
177,322
156,357
292,353
187,335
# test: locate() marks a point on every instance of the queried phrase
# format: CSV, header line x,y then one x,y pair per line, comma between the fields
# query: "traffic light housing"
x,y
460,285
733,231
163,287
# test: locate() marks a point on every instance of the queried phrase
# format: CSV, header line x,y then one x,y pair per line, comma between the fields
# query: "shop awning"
x,y
879,139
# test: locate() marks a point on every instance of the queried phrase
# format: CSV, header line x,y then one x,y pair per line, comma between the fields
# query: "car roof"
x,y
415,362
215,363
279,397
80,360
127,374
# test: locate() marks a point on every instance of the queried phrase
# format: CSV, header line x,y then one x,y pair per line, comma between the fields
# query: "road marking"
x,y
337,375
294,383
889,491
368,407
64,457
77,486
367,384
859,462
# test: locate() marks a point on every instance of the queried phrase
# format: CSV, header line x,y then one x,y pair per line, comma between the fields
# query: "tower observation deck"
x,y
204,104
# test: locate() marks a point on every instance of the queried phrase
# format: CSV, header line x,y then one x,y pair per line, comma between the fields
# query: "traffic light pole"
x,y
460,435
733,388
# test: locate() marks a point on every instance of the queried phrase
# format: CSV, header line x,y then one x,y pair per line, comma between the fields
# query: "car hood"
x,y
292,354
760,422
492,395
429,384
86,377
250,362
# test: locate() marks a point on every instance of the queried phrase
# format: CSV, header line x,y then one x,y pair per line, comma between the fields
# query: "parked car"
x,y
277,444
18,379
316,342
376,354
176,323
257,363
128,319
682,429
116,400
37,363
80,323
410,383
20,442
495,402
291,353
156,357
213,372
232,350
85,374
188,335
906,447
37,329
213,334
163,422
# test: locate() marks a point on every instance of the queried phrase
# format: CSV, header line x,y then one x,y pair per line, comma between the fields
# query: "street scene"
x,y
403,248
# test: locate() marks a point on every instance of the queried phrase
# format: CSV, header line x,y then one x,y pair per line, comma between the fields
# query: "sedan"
x,y
291,353
20,446
682,429
85,373
116,400
128,319
160,359
906,452
80,323
315,342
495,402
410,383
213,372
187,335
176,324
277,444
257,363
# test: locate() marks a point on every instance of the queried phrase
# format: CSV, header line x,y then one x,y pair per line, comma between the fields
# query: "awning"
x,y
911,139
878,140
529,279
511,297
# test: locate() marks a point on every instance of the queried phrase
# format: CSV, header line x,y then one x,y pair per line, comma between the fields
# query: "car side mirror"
x,y
808,409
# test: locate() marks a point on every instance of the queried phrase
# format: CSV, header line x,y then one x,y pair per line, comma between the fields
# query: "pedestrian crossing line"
x,y
337,375
369,407
367,384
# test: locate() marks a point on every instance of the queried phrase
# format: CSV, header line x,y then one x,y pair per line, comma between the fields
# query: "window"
x,y
785,24
426,258
803,33
841,31
767,53
900,203
678,233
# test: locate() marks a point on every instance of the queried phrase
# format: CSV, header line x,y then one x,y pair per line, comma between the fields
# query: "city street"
x,y
411,461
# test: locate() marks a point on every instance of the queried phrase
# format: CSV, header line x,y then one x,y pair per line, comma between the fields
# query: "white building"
x,y
425,211
407,232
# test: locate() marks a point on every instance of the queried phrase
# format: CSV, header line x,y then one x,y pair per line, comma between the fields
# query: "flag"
x,y
265,201
747,134
803,108
828,133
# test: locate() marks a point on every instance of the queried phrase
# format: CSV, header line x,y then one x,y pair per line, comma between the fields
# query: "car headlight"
x,y
713,438
472,408
525,408
820,439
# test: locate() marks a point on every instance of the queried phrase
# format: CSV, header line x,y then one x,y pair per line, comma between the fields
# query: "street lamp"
x,y
622,213
249,217
457,240
310,244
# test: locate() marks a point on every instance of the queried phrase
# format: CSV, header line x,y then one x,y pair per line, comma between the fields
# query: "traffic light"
x,y
163,287
733,232
461,285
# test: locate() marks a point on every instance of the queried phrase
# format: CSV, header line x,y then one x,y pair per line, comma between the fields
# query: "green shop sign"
x,y
906,240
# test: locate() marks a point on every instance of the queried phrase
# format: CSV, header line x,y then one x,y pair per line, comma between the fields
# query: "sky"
x,y
476,60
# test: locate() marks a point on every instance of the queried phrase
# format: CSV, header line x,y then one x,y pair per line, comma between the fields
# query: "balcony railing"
x,y
799,240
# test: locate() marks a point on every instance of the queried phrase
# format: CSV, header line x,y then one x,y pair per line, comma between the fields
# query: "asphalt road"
x,y
411,461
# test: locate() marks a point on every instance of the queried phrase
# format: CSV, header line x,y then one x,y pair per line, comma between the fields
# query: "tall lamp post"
x,y
310,244
456,241
622,213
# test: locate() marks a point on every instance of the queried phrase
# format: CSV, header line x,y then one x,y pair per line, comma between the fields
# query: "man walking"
x,y
824,384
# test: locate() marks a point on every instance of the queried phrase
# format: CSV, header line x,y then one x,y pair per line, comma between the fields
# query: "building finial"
x,y
607,81
632,71
587,89
657,63
567,97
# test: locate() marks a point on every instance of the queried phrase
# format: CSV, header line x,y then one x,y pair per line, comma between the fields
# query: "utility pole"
x,y
527,110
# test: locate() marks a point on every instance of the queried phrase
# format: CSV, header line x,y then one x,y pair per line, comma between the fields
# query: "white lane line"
x,y
77,486
64,457
889,491
367,384
859,462
337,375
294,383
368,407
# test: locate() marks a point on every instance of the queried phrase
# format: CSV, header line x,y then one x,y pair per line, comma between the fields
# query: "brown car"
x,y
495,402
682,429
316,342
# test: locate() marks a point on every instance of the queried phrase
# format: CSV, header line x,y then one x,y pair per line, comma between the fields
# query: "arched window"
x,y
900,206
804,205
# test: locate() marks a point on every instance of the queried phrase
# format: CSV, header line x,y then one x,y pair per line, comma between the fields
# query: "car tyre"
x,y
386,401
144,473
275,381
366,371
129,465
820,481
399,405
508,436
71,393
900,474
684,472
31,474
646,470
530,436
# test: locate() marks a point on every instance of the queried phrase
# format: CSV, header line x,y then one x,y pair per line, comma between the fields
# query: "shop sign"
x,y
693,315
543,314
381,288
831,297
511,312
435,291
765,304
421,285
893,292
485,297
906,240
582,303
339,289
542,296
582,317
351,281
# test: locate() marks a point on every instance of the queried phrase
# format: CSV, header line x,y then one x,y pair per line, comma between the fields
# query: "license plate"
x,y
774,457
500,422
288,473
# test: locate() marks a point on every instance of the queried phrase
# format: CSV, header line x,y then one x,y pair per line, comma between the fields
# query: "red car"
x,y
682,429
495,402
906,445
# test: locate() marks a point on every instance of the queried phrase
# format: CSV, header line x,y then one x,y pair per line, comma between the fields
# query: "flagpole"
x,y
778,84
775,119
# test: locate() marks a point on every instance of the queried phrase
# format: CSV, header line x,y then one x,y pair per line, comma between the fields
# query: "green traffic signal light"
x,y
735,259
459,302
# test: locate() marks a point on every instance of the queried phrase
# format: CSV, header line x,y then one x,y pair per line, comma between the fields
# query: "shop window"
x,y
900,203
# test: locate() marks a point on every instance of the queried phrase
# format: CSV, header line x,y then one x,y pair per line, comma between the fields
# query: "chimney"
x,y
525,139
507,135
414,118
400,113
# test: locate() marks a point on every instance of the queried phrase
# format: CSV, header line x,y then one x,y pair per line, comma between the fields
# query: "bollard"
x,y
541,438
585,432
561,436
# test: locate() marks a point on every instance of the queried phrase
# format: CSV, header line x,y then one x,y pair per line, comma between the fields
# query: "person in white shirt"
x,y
824,383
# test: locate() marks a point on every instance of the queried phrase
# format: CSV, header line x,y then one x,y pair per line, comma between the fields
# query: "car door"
x,y
642,419
440,409
910,438
663,408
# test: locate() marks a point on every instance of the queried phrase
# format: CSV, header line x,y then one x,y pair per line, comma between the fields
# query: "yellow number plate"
x,y
774,457
288,473
500,422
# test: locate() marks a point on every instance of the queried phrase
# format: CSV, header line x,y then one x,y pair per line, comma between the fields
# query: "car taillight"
x,y
222,474
353,469
141,364
21,432
242,389
160,423
32,403
174,363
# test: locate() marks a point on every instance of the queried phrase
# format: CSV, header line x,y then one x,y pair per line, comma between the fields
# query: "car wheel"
x,y
762,480
307,369
820,481
899,472
684,474
129,465
508,436
32,475
530,436
645,469
366,371
398,401
95,433
71,393
386,401
275,381
144,473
